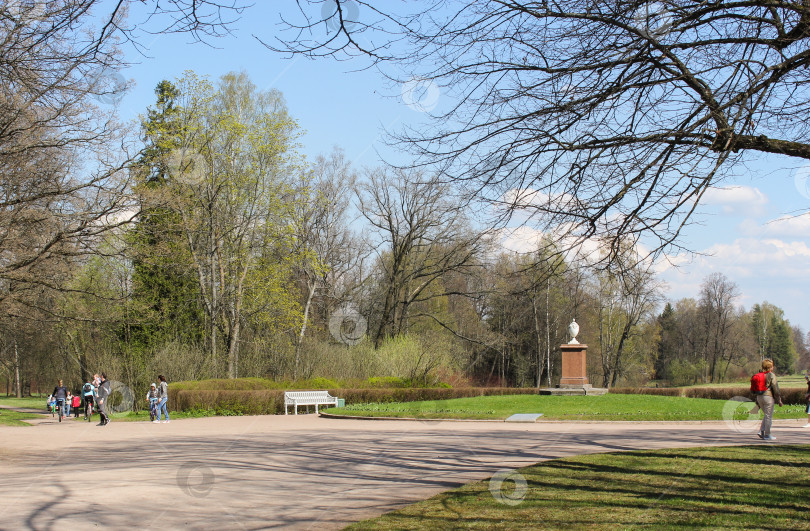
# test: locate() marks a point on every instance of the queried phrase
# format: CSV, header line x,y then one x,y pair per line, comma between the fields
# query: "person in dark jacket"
x,y
60,394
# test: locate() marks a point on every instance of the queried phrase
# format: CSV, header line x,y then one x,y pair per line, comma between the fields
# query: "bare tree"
x,y
63,153
626,297
421,234
328,249
717,295
611,118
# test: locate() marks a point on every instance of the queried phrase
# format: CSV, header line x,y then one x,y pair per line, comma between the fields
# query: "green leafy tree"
x,y
233,187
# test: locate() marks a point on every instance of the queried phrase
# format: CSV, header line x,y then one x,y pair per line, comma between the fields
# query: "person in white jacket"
x,y
163,398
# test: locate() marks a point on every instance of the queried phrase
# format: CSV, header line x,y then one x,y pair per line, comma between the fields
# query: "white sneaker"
x,y
155,421
806,425
165,422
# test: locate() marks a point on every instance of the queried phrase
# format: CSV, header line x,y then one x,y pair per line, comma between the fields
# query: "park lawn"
x,y
605,407
14,418
26,402
750,487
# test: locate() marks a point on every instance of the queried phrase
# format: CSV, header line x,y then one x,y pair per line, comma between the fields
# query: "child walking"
x,y
152,398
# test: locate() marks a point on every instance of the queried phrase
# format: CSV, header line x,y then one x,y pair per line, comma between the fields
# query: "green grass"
x,y
605,407
752,487
27,402
13,418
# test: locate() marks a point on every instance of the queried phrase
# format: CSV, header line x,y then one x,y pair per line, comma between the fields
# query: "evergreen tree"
x,y
667,345
165,290
780,345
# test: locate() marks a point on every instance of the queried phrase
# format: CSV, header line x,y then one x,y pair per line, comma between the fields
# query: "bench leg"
x,y
316,409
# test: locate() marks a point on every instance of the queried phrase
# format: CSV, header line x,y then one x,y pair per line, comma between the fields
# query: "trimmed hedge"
x,y
789,396
263,401
271,401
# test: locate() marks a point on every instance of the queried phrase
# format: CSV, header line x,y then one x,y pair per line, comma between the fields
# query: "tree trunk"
x,y
17,369
233,351
303,329
539,377
214,295
548,332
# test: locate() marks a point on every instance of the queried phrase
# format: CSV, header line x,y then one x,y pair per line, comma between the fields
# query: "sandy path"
x,y
297,472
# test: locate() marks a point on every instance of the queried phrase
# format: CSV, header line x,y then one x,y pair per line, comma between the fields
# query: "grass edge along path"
x,y
606,407
741,487
9,417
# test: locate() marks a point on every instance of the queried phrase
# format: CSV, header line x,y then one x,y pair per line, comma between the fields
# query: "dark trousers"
x,y
102,411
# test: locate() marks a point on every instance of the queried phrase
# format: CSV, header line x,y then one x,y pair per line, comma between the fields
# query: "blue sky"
x,y
743,228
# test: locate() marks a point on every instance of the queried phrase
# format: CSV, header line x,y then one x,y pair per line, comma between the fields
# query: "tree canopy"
x,y
595,118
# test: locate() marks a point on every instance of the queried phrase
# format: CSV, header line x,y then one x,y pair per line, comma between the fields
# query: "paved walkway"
x,y
296,472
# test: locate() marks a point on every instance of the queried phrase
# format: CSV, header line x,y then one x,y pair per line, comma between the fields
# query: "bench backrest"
x,y
297,395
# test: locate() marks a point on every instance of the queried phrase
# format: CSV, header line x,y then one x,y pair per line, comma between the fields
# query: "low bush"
x,y
271,401
252,384
658,391
228,402
789,396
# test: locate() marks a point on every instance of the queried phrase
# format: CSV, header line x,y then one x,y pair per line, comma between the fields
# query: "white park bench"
x,y
308,398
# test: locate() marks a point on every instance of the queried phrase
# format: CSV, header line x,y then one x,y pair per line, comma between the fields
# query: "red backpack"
x,y
758,385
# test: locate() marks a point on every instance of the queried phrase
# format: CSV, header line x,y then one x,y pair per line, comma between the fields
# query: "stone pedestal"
x,y
574,366
574,379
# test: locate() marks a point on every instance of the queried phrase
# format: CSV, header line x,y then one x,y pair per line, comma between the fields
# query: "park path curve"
x,y
291,472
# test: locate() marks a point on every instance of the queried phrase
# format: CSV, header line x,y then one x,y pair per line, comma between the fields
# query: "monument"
x,y
574,380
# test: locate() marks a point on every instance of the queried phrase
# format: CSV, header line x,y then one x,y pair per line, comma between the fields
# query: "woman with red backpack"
x,y
766,389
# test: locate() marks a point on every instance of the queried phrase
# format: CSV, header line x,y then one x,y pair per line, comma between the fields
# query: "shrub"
x,y
317,383
388,382
789,396
658,391
271,401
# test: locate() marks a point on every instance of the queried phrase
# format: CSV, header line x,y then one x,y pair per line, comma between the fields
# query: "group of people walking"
x,y
158,397
96,393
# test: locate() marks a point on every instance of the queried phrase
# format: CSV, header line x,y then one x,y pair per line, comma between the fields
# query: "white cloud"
x,y
764,269
525,239
736,200
520,239
781,227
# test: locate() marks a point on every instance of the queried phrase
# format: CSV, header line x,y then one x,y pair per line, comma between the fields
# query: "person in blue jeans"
x,y
68,403
163,398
